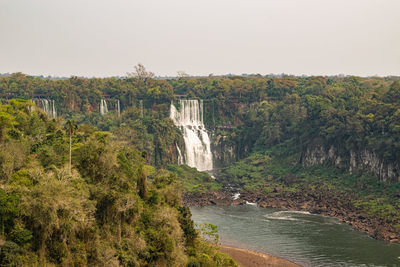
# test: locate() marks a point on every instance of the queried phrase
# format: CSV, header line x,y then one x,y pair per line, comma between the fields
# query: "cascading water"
x,y
48,106
118,108
141,108
103,107
53,110
180,157
197,143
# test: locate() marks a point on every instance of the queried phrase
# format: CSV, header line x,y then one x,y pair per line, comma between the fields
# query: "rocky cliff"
x,y
353,160
224,151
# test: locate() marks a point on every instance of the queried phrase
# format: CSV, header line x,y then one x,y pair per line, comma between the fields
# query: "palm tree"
x,y
71,128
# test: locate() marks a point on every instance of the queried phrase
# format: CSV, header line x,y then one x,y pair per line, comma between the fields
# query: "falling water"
x,y
141,108
180,158
103,107
197,143
53,110
118,108
48,106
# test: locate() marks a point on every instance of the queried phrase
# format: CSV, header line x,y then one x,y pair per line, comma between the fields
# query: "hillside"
x,y
110,208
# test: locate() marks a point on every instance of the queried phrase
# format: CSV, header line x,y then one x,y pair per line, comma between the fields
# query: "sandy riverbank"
x,y
247,258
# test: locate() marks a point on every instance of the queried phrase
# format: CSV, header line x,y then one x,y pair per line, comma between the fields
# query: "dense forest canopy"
x,y
112,208
351,112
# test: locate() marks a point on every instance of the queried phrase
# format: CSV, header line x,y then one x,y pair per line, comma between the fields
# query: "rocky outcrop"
x,y
360,160
220,198
223,151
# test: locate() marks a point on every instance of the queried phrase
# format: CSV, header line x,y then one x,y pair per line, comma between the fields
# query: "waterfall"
x,y
45,106
118,108
197,142
103,107
180,158
48,106
53,110
141,108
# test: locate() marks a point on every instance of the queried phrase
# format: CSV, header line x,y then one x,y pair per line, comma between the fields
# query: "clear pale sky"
x,y
109,37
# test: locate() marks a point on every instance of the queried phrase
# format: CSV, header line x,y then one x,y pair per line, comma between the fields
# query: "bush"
x,y
11,254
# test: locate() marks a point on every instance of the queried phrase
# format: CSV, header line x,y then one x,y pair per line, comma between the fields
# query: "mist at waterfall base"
x,y
307,239
189,118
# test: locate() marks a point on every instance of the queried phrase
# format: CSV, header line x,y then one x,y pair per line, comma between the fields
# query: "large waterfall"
x,y
189,118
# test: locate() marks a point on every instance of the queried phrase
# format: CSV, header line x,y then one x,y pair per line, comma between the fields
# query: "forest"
x,y
71,195
254,112
116,200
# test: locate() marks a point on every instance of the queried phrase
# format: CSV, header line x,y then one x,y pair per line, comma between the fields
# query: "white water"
x,y
251,203
118,108
236,196
189,119
48,106
180,158
103,107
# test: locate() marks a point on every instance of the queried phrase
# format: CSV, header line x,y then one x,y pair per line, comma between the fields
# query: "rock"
x,y
392,236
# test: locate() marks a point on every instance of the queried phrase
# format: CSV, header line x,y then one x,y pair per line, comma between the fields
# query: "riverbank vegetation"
x,y
270,173
194,181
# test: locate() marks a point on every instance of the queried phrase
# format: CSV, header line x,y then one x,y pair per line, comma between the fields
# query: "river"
x,y
306,239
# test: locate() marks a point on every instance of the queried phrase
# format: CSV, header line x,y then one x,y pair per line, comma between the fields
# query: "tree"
x,y
71,128
6,120
141,73
142,183
182,74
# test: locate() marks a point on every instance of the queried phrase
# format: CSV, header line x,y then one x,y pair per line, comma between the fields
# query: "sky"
x,y
109,37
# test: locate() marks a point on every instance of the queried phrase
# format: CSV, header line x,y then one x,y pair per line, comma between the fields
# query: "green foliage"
x,y
192,180
11,254
269,121
142,183
8,211
274,170
185,220
210,231
111,208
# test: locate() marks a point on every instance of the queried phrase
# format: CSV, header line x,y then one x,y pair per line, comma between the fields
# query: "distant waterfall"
x,y
48,106
141,108
118,108
189,119
103,107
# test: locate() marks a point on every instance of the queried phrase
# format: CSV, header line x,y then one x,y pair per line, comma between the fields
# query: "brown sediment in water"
x,y
247,258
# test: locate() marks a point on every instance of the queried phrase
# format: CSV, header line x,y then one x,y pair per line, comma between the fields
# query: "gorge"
x,y
324,145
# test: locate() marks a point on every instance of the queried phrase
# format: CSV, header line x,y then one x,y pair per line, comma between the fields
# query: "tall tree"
x,y
141,73
71,128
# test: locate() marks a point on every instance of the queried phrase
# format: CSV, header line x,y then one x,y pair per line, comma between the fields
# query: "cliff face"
x,y
224,152
360,160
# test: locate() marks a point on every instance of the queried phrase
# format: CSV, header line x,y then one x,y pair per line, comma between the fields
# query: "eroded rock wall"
x,y
224,152
353,160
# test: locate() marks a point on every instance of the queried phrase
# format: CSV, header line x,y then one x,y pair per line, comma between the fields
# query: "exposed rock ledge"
x,y
361,160
332,204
